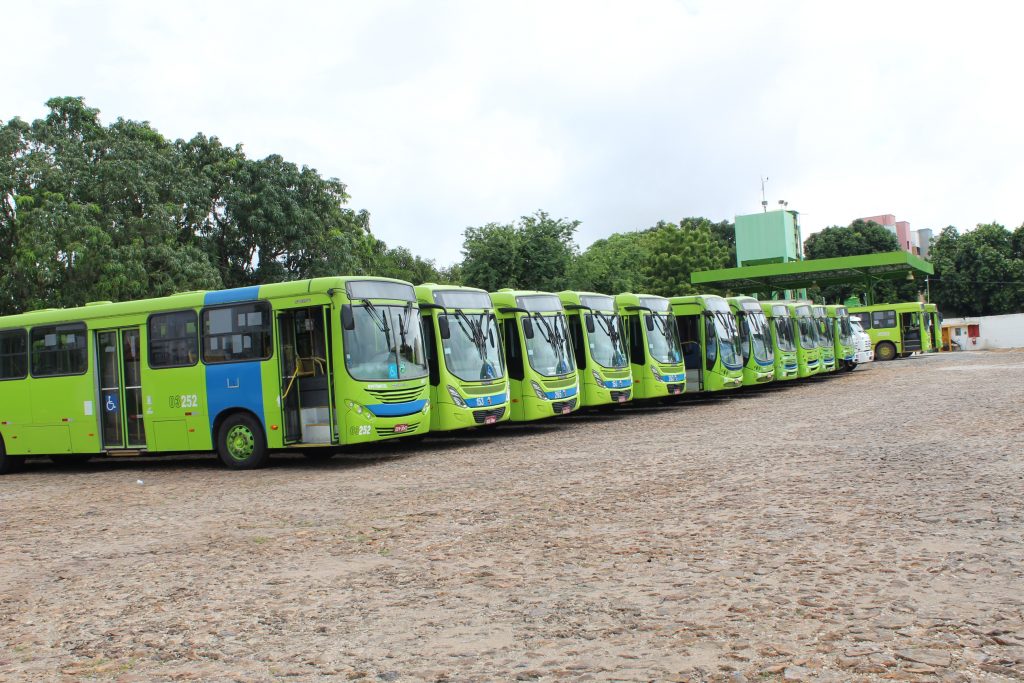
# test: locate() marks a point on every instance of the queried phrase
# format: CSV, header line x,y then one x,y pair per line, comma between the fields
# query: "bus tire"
x,y
885,351
241,443
9,463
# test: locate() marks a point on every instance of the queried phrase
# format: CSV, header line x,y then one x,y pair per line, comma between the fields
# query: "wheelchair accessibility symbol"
x,y
111,403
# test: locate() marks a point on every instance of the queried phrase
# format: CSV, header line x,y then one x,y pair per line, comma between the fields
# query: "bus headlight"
x,y
539,391
657,375
598,378
426,406
456,398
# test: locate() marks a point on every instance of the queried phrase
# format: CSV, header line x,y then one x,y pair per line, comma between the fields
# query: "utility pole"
x,y
764,200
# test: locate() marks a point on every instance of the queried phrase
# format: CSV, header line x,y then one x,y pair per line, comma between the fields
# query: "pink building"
x,y
899,228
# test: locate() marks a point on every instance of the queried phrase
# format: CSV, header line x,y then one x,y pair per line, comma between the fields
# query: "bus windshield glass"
x,y
845,331
386,343
760,336
784,331
548,348
808,336
471,350
606,342
825,335
663,339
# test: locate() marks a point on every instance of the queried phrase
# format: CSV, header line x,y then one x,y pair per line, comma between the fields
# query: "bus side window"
x,y
576,332
431,344
513,354
173,339
13,354
637,353
59,350
883,319
237,333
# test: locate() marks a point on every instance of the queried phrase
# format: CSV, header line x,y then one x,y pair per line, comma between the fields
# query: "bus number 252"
x,y
184,401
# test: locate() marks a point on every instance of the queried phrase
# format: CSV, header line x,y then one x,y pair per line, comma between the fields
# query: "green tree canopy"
x,y
980,272
537,252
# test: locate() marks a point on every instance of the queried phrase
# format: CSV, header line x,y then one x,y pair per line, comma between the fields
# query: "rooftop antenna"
x,y
764,202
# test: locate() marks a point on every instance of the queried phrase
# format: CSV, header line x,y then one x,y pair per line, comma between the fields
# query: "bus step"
x,y
124,452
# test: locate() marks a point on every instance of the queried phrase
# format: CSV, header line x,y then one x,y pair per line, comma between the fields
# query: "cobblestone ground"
x,y
863,527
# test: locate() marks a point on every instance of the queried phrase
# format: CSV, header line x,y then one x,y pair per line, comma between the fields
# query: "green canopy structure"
x,y
765,280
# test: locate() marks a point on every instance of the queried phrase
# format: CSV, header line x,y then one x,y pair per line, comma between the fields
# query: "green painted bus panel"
x,y
527,386
39,413
482,401
606,380
652,377
808,353
708,331
901,325
759,350
783,340
845,346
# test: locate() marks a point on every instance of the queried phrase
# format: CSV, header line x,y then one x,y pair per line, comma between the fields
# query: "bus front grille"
x,y
620,396
396,395
473,390
560,406
480,416
390,431
558,384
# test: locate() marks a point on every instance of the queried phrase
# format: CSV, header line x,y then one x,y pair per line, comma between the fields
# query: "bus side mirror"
x,y
348,320
527,328
590,324
649,321
490,337
442,326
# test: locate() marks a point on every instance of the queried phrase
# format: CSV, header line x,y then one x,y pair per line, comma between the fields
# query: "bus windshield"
x,y
663,339
606,345
825,336
386,343
808,337
784,333
845,331
548,348
728,339
760,336
471,350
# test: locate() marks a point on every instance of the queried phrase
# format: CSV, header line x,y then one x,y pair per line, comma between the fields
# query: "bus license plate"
x,y
401,429
675,390
566,410
622,399
490,419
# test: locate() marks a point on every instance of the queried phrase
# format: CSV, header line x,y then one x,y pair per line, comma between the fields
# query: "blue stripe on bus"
x,y
228,296
617,383
396,409
561,393
484,401
235,385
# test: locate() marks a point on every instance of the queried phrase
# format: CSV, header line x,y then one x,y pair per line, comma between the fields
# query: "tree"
x,y
980,272
857,239
611,265
535,253
677,251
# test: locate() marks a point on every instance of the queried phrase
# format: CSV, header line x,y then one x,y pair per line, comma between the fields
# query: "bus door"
x,y
688,327
910,330
307,382
119,383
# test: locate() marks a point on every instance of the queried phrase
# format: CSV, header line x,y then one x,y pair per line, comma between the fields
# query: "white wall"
x,y
995,331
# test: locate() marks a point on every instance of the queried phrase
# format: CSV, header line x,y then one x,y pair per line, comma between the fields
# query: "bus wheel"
x,y
241,444
885,351
9,463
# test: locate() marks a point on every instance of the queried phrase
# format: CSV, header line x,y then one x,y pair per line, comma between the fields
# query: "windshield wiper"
x,y
553,336
476,335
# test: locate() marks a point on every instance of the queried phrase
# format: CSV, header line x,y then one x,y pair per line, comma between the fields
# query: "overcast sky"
x,y
441,115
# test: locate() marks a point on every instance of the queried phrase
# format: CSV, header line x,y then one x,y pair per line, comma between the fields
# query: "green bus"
x,y
808,353
598,340
826,338
933,324
309,365
711,342
842,333
468,384
783,339
756,344
655,357
896,330
541,366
